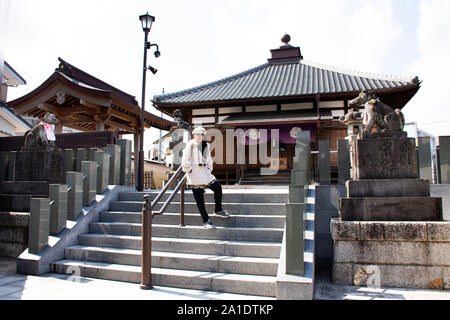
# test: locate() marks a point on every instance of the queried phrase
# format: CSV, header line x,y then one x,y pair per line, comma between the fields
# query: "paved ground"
x,y
53,286
325,290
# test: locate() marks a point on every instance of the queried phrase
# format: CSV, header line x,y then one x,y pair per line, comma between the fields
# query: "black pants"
x,y
199,195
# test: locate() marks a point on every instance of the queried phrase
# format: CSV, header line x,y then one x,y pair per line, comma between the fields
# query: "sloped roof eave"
x,y
254,87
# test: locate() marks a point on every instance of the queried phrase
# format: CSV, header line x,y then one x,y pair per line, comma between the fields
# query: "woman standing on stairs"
x,y
198,165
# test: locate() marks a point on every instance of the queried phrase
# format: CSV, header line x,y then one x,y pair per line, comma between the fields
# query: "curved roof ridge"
x,y
355,73
213,83
81,83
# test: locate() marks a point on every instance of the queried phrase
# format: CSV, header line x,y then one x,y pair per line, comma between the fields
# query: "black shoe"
x,y
209,225
223,214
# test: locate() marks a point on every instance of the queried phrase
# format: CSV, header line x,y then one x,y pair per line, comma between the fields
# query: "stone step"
x,y
229,195
191,207
198,280
196,232
200,246
184,261
259,221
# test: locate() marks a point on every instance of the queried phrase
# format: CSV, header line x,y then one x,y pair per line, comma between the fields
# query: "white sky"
x,y
206,40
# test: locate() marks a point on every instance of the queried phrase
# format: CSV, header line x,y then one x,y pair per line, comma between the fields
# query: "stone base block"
x,y
11,249
394,276
391,254
14,219
16,202
391,209
388,188
24,187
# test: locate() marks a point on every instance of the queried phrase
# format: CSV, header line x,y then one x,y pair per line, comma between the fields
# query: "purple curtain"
x,y
287,133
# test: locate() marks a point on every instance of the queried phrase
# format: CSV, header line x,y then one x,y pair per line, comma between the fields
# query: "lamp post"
x,y
146,21
146,258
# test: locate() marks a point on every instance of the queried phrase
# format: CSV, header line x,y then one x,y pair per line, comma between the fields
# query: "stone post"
x,y
177,144
295,244
89,170
424,157
300,176
102,160
69,161
82,155
343,161
444,159
324,162
58,208
39,224
91,154
125,161
301,173
114,163
75,194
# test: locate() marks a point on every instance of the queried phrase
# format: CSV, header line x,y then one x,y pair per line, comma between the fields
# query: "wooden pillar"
x,y
100,126
317,104
58,129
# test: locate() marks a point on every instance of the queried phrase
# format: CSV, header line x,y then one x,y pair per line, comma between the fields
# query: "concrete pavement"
x,y
54,286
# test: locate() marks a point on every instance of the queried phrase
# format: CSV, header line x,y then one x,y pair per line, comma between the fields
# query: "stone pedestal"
x,y
40,165
379,157
385,185
389,225
390,209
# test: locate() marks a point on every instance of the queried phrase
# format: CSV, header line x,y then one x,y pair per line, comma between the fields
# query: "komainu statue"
x,y
376,112
42,135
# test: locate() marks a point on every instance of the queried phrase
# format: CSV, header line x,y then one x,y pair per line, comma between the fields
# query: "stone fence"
x,y
433,164
85,173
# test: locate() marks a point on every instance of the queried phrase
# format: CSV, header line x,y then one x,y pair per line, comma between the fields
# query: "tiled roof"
x,y
284,79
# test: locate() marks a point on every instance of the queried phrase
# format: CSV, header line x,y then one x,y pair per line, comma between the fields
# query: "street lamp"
x,y
146,21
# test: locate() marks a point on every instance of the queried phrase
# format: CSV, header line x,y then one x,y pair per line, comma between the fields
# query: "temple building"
x,y
285,93
83,102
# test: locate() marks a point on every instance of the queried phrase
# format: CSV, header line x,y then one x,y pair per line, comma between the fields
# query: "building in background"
x,y
285,93
10,123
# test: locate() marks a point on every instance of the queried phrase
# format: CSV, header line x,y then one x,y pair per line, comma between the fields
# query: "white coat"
x,y
198,166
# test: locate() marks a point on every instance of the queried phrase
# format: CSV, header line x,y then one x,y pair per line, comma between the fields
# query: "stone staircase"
x,y
254,177
240,256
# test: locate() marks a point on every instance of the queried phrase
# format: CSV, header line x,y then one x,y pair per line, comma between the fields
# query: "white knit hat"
x,y
199,130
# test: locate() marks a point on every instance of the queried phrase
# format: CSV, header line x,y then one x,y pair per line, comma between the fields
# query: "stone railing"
x,y
85,173
295,208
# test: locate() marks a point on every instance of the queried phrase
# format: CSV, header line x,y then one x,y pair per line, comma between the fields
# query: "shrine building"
x,y
286,93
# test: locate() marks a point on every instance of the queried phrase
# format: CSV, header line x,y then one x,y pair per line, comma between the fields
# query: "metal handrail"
x,y
175,191
147,216
163,191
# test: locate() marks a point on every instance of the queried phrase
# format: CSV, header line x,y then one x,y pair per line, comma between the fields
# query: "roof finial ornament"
x,y
286,38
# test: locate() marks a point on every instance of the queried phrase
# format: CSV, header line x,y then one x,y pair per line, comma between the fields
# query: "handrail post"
x,y
146,258
182,203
